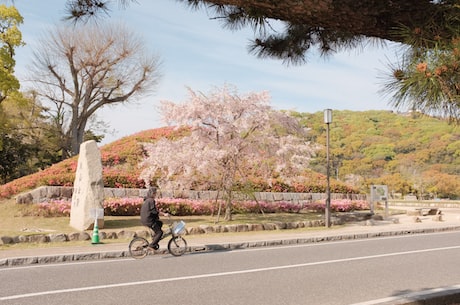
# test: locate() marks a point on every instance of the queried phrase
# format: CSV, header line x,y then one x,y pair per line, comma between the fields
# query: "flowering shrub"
x,y
342,205
8,190
119,178
122,206
182,207
187,207
61,174
53,208
244,207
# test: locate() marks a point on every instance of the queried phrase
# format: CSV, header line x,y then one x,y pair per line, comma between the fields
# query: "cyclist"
x,y
150,217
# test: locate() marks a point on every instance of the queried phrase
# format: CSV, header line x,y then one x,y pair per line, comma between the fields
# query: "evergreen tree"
x,y
425,79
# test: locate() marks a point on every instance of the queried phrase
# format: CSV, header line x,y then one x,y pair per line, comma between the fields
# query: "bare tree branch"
x,y
81,69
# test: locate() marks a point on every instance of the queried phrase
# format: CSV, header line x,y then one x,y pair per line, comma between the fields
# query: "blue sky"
x,y
197,52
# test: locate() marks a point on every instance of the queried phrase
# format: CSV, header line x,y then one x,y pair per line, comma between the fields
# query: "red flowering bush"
x,y
119,160
182,207
118,178
122,206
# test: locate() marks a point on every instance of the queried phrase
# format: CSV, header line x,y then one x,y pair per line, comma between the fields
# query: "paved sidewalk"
x,y
396,225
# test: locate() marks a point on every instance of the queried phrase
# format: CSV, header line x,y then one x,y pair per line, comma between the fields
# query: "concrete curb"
x,y
221,246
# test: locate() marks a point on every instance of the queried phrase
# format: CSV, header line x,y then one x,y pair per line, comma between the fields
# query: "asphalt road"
x,y
345,272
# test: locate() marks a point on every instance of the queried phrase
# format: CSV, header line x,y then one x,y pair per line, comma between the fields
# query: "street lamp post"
x,y
328,121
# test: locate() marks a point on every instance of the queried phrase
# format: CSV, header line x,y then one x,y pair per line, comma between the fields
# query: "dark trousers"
x,y
157,232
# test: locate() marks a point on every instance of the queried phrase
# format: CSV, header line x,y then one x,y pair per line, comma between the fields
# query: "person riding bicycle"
x,y
150,217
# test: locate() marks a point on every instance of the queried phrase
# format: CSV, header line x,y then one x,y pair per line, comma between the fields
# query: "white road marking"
x,y
199,276
410,296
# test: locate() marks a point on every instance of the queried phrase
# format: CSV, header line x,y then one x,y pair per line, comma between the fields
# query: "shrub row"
x,y
187,207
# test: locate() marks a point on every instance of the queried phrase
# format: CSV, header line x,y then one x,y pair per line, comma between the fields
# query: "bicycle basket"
x,y
179,227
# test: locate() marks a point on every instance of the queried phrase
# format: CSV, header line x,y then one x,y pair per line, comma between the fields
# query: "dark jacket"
x,y
149,212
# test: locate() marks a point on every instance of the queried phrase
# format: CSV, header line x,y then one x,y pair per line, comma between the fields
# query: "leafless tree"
x,y
80,69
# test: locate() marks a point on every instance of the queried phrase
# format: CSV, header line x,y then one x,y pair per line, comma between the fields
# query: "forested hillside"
x,y
409,152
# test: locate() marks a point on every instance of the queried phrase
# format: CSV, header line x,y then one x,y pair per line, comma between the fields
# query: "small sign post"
x,y
379,193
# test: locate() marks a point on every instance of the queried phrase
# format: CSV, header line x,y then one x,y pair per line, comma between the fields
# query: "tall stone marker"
x,y
88,193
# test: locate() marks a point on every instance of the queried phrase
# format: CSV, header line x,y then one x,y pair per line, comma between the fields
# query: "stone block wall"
x,y
45,193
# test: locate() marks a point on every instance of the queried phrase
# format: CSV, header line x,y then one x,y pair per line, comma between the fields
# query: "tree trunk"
x,y
219,209
228,207
228,210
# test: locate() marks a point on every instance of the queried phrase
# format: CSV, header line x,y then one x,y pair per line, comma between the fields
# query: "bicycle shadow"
x,y
216,247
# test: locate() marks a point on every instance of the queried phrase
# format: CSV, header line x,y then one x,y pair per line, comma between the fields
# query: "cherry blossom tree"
x,y
231,136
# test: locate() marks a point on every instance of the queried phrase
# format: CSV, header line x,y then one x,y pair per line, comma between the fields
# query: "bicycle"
x,y
139,246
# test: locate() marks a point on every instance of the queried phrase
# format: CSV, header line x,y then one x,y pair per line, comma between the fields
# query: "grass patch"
x,y
14,223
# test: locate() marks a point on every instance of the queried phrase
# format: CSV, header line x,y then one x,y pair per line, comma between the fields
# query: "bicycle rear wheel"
x,y
138,247
177,246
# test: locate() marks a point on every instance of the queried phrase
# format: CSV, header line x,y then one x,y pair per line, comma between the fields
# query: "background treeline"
x,y
411,153
29,140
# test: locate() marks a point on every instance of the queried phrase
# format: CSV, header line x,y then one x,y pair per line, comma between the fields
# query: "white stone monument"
x,y
88,192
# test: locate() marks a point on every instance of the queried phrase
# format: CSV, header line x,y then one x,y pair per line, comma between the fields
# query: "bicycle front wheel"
x,y
177,246
138,247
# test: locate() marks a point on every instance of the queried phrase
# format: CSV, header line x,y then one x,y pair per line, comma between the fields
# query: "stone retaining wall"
x,y
45,193
426,204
